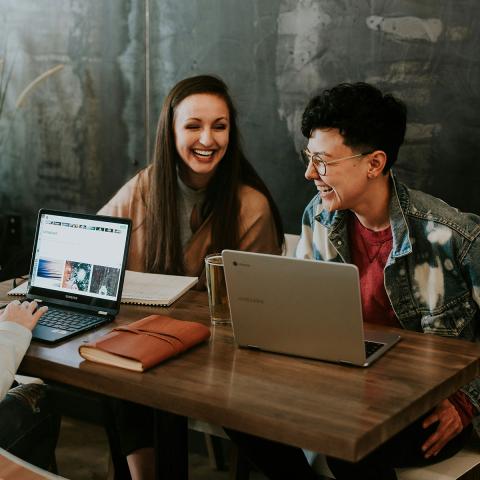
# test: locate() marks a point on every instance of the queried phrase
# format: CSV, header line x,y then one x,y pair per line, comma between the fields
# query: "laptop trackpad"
x,y
48,334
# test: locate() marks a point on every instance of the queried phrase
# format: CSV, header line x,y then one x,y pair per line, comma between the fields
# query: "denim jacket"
x,y
432,275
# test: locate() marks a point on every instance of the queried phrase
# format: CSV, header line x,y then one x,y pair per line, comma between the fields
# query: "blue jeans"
x,y
29,429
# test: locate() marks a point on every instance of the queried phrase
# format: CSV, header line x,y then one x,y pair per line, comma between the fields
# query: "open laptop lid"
x,y
79,260
300,307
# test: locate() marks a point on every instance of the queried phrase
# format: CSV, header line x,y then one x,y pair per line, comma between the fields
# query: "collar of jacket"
x,y
399,201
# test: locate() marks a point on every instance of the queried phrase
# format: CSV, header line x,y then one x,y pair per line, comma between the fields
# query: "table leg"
x,y
171,446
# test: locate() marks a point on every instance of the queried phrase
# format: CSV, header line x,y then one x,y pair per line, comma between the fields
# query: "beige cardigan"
x,y
257,227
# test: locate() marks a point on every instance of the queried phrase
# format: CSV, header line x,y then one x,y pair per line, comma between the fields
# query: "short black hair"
x,y
365,117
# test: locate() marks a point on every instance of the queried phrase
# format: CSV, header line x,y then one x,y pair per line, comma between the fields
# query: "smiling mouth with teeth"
x,y
203,153
325,189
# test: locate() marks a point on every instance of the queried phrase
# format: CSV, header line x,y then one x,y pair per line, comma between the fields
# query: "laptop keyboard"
x,y
372,347
68,321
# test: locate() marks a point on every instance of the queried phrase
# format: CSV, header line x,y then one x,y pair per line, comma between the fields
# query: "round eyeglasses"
x,y
320,163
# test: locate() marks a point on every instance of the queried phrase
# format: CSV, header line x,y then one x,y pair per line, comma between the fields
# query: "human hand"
x,y
22,313
449,425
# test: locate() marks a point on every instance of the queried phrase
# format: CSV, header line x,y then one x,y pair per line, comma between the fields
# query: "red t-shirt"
x,y
370,251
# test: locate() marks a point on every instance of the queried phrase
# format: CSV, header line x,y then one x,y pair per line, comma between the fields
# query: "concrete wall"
x,y
81,132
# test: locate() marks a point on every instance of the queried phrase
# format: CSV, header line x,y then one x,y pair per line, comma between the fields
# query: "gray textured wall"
x,y
81,132
75,138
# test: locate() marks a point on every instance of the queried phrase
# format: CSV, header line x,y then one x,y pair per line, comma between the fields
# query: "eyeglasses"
x,y
320,163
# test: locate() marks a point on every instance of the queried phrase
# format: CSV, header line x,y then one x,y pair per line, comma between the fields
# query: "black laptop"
x,y
77,270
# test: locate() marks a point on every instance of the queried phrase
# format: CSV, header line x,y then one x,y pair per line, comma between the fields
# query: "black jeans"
x,y
278,461
29,429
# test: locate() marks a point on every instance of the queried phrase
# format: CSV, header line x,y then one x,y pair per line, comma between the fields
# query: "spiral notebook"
x,y
144,288
155,288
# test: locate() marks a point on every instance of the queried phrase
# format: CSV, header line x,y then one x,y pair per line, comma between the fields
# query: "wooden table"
x,y
341,411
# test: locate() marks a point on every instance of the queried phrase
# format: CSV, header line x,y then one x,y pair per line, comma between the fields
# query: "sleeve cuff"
x,y
464,407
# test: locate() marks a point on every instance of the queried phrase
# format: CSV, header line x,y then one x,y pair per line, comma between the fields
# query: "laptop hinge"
x,y
102,313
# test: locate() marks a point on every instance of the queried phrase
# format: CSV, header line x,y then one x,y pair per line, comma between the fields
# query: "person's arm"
x,y
306,247
129,203
129,198
305,244
120,205
257,226
464,407
454,413
470,261
16,324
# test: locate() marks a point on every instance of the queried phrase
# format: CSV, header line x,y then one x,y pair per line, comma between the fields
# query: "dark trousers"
x,y
278,461
29,429
403,450
130,424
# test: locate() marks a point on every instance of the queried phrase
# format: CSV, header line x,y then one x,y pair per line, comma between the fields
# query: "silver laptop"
x,y
300,307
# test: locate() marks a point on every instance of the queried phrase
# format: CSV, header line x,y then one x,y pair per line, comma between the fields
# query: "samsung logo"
x,y
250,300
71,297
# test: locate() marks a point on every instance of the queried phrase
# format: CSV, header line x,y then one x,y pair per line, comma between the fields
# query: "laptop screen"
x,y
79,258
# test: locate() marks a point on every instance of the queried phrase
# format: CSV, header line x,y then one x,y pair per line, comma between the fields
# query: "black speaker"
x,y
14,252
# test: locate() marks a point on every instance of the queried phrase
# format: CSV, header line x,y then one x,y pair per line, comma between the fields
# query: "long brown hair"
x,y
164,253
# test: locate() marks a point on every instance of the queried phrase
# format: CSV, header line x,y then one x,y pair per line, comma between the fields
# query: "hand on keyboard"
x,y
26,313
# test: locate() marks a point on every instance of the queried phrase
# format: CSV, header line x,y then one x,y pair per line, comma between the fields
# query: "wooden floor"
x,y
82,454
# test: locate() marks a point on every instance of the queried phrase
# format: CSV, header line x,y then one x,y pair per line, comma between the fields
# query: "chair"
x,y
12,467
290,244
213,435
464,465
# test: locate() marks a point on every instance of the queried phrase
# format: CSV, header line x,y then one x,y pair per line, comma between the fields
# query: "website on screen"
x,y
80,256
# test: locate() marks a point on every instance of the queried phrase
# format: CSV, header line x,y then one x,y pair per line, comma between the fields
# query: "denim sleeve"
x,y
471,271
305,246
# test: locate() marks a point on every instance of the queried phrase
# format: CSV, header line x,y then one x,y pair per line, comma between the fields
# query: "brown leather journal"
x,y
145,343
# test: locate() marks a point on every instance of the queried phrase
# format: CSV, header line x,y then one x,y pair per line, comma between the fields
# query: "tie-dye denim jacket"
x,y
432,275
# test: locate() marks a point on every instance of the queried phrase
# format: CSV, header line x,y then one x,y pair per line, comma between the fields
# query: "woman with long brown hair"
x,y
199,196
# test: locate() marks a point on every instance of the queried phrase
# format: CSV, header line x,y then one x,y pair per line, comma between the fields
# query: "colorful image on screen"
x,y
105,280
76,276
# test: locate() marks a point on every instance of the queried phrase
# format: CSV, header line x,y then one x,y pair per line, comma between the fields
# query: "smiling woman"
x,y
200,195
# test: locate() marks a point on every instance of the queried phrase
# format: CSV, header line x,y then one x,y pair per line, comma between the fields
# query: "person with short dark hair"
x,y
29,427
418,261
